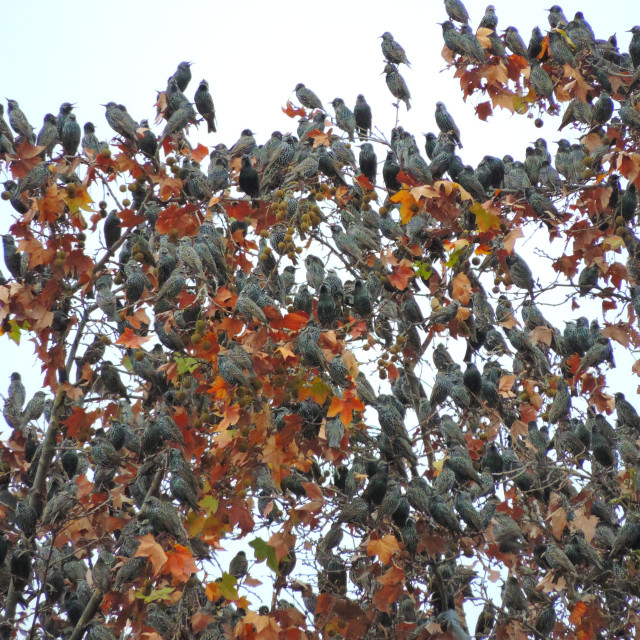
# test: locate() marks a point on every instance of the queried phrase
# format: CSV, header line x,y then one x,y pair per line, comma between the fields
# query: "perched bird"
x,y
90,142
239,565
111,380
48,136
368,162
519,272
392,51
248,180
456,11
446,123
204,105
163,517
19,122
34,408
344,117
514,41
363,117
71,135
308,98
182,75
397,84
489,19
120,121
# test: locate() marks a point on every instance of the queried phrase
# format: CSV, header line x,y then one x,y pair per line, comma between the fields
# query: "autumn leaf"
x,y
364,182
484,110
131,340
558,521
384,548
77,198
461,288
345,407
401,276
149,548
264,551
541,334
407,204
318,391
199,153
129,219
485,219
79,423
180,564
292,111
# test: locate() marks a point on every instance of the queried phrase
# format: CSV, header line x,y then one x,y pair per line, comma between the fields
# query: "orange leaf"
x,y
131,339
149,548
364,182
578,611
558,522
400,277
199,153
485,219
180,564
292,111
407,204
129,219
78,423
461,288
345,406
384,548
511,237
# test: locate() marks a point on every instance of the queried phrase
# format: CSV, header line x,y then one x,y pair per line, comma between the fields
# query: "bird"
x,y
239,565
446,123
48,136
120,121
344,117
111,380
397,85
308,98
392,51
363,117
456,11
90,142
368,162
248,180
71,135
204,105
19,123
182,75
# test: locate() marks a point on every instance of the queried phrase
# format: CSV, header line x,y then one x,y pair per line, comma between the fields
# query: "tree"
x,y
207,374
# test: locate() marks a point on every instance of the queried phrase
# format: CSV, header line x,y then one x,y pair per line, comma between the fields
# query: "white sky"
x,y
253,53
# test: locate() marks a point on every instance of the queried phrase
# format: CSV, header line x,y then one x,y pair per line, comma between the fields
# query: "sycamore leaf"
x,y
78,424
345,407
199,153
400,277
131,340
461,288
384,548
186,364
486,220
292,111
180,564
155,594
408,204
149,548
264,551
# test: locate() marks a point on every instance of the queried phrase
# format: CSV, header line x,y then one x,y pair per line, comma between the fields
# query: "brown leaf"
x,y
461,289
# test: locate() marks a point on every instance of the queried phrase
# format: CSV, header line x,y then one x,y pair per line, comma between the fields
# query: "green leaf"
x,y
155,594
228,586
264,551
209,504
455,256
423,269
186,365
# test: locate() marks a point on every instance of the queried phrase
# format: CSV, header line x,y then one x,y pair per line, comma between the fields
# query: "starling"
x,y
120,121
5,130
541,81
239,565
182,75
560,52
443,514
71,135
361,300
344,117
627,414
363,117
148,143
453,39
12,257
368,162
602,110
471,45
183,492
535,44
112,229
469,181
392,51
163,517
468,512
36,178
519,272
90,142
34,408
26,518
489,19
634,46
111,380
16,395
629,114
346,244
19,122
48,135
327,313
248,180
513,598
308,98
418,169
557,559
514,41
456,11
446,123
485,622
556,17
628,202
390,171
315,271
541,205
397,85
179,121
204,105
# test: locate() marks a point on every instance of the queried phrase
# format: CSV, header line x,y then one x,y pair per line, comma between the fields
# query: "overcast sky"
x,y
253,53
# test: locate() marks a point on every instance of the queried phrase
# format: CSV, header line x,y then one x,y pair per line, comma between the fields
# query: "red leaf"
x,y
400,277
292,111
130,219
484,110
364,182
199,153
131,339
79,422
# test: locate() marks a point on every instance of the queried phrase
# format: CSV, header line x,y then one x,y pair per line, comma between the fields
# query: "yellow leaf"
x,y
383,548
486,220
407,204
